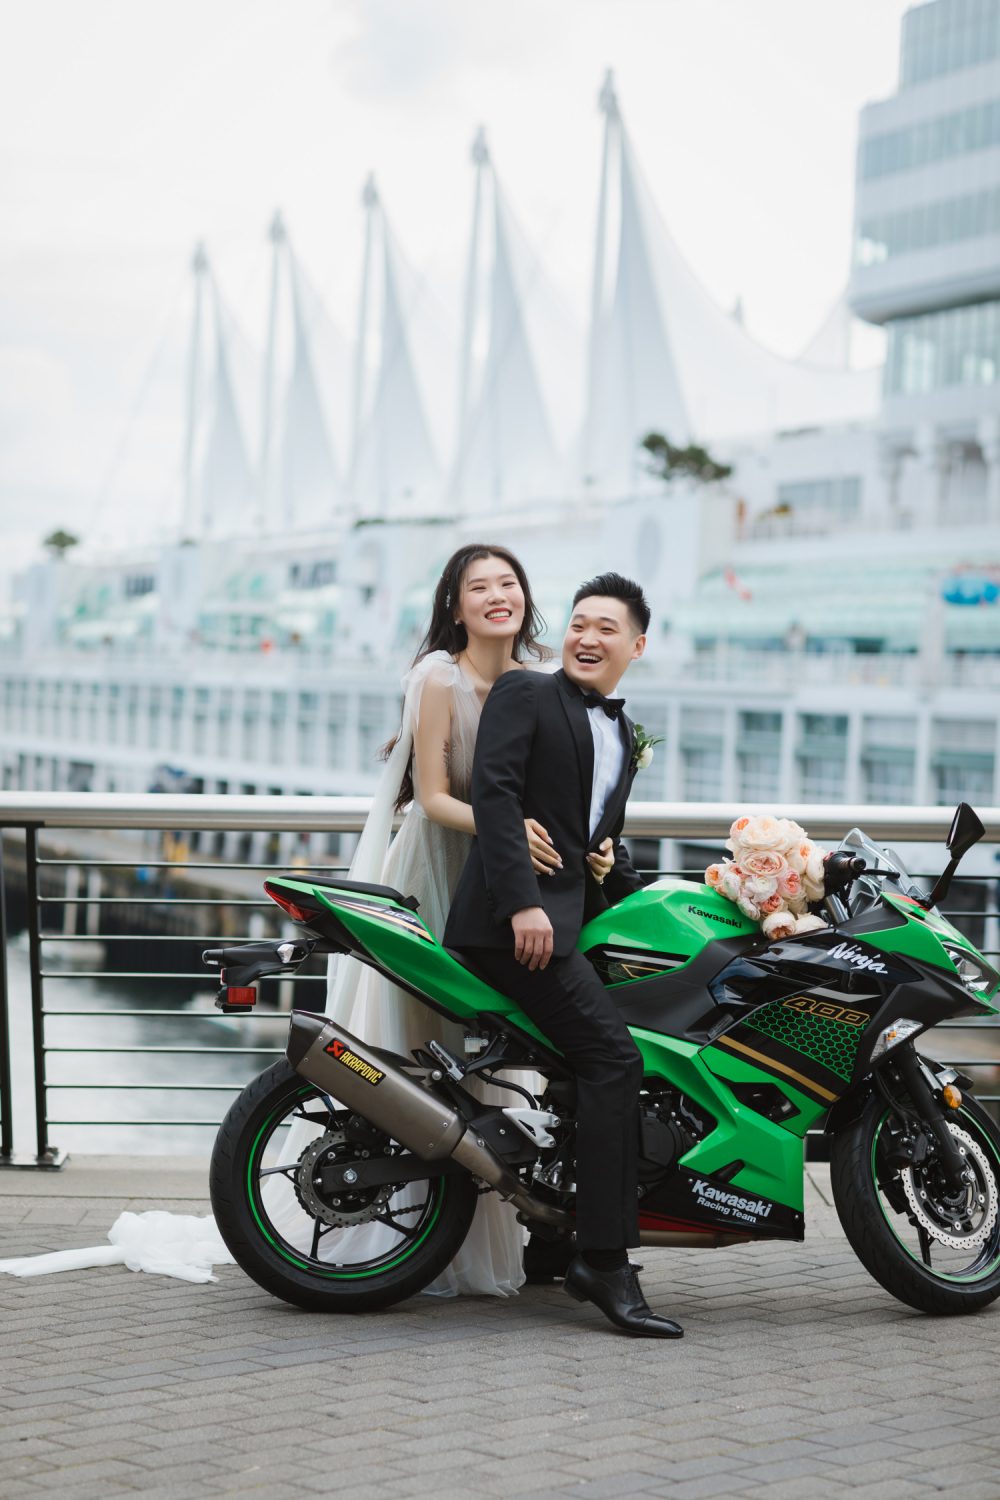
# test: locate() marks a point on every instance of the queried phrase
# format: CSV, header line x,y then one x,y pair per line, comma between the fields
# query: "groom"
x,y
560,749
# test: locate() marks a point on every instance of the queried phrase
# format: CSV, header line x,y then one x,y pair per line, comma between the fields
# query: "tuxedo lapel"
x,y
576,716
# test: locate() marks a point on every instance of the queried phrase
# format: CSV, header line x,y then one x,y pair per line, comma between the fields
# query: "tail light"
x,y
297,913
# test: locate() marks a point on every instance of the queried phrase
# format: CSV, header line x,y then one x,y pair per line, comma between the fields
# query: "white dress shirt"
x,y
609,755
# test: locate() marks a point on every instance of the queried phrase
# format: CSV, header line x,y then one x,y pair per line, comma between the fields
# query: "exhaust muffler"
x,y
362,1080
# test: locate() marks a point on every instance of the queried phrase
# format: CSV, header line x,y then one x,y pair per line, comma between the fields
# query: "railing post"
x,y
45,1155
6,1099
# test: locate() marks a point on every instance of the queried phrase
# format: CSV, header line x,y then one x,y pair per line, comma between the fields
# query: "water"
x,y
94,1082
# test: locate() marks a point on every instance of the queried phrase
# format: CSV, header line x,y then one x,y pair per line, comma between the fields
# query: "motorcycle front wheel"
x,y
932,1248
325,1247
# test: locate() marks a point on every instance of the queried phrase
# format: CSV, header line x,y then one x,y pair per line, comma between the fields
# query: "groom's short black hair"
x,y
614,586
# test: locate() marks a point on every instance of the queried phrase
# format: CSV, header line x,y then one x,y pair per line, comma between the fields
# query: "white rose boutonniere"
x,y
642,748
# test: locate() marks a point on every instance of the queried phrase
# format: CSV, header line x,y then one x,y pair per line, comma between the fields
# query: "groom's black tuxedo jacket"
x,y
535,759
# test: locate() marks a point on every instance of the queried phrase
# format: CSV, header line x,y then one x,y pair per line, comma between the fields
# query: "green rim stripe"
x,y
305,1265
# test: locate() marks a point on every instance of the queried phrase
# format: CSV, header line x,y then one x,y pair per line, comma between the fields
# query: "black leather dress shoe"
x,y
619,1296
545,1260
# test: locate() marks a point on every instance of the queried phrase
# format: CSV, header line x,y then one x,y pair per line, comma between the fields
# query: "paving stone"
x,y
798,1377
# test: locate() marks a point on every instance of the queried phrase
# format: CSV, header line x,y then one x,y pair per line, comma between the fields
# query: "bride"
x,y
483,624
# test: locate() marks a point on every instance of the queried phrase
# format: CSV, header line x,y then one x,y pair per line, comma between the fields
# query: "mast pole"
x,y
480,156
199,268
608,104
370,203
278,237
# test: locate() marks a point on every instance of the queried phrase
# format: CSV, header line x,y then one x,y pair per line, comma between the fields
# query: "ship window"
x,y
821,778
758,775
702,773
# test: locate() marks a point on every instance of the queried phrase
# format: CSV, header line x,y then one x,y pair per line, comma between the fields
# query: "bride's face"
x,y
491,601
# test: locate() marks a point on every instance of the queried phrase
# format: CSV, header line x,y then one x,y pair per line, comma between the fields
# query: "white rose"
x,y
762,832
644,757
809,923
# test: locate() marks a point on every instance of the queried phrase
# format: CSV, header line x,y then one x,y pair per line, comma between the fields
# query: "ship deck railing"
x,y
120,892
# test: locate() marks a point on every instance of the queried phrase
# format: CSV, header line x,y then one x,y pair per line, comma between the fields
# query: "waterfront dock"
x,y
798,1376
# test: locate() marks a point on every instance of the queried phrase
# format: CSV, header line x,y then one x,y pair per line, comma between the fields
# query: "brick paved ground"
x,y
798,1377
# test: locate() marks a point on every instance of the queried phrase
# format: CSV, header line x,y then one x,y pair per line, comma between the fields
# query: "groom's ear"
x,y
638,647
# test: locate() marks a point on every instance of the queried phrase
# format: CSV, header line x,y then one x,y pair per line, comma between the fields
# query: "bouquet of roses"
x,y
775,871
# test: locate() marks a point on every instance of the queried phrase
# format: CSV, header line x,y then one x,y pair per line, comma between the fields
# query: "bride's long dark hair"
x,y
445,633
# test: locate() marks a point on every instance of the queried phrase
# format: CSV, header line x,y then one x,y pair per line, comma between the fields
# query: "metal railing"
x,y
159,903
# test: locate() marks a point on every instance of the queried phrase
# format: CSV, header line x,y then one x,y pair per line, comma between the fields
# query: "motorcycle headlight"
x,y
898,1032
972,971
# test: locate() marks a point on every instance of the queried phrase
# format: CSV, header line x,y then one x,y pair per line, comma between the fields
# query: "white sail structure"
x,y
309,481
504,449
226,484
300,484
665,357
394,468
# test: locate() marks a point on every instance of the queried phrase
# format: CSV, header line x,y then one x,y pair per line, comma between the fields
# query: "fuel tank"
x,y
671,920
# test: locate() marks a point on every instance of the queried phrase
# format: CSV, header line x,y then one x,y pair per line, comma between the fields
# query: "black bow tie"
x,y
611,706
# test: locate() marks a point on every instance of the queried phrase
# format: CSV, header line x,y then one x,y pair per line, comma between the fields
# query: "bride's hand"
x,y
544,858
602,861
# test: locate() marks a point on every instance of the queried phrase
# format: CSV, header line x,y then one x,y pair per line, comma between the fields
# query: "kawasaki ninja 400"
x,y
346,1177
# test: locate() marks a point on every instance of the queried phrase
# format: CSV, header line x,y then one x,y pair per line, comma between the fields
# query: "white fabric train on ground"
x,y
164,1244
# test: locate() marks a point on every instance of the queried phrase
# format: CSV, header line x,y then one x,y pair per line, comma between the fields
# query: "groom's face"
x,y
601,640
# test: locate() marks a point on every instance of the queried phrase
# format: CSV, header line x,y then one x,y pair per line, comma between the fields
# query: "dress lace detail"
x,y
424,860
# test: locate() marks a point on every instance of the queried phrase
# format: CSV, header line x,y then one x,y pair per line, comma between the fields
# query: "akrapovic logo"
x,y
733,1205
366,1070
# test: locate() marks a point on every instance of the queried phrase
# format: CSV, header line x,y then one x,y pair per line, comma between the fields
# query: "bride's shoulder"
x,y
437,668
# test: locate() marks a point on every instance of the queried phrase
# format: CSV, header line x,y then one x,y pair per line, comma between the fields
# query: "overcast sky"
x,y
130,128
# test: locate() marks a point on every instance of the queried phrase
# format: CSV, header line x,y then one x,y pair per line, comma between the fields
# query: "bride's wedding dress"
x,y
424,860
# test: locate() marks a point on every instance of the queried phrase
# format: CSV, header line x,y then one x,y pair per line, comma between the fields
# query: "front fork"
x,y
920,1085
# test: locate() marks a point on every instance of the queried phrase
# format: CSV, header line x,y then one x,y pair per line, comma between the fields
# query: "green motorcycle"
x,y
346,1177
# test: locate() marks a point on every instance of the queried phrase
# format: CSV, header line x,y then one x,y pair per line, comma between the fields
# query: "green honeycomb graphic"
x,y
830,1043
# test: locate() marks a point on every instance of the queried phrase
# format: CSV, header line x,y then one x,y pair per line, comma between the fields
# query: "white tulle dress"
x,y
425,860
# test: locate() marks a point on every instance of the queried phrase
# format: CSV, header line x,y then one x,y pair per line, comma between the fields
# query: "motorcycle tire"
x,y
897,1219
314,1278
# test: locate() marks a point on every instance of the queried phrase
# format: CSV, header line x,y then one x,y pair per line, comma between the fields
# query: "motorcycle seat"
x,y
362,888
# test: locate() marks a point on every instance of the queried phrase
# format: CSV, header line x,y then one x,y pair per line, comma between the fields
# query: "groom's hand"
x,y
532,937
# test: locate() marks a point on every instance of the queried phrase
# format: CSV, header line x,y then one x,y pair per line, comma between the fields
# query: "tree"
x,y
59,542
670,462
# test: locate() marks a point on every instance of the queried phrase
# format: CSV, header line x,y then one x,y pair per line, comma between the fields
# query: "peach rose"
x,y
713,876
765,862
773,903
790,883
779,924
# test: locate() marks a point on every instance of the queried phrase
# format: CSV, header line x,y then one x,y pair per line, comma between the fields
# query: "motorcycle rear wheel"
x,y
282,1228
930,1253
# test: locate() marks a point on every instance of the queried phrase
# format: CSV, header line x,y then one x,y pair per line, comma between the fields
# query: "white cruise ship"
x,y
827,620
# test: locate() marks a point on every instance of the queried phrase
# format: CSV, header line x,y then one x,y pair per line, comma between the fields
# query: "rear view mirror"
x,y
966,830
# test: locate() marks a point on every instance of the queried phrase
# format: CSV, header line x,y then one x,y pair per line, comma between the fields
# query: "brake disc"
x,y
343,1208
946,1222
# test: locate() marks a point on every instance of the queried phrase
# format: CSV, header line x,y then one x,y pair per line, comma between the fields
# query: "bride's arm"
x,y
430,753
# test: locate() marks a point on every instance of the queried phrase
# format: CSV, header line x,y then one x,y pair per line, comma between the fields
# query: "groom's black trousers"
x,y
570,1004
